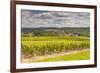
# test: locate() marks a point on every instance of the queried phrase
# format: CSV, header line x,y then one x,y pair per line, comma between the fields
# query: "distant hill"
x,y
66,29
44,31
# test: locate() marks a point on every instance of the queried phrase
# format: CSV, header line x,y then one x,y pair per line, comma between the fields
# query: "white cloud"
x,y
54,19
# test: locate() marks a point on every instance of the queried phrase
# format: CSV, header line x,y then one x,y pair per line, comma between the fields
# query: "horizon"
x,y
56,27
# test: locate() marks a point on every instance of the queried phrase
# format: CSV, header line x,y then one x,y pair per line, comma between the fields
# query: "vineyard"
x,y
48,36
43,45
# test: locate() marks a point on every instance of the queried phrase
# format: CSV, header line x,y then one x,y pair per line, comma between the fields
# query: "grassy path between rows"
x,y
65,56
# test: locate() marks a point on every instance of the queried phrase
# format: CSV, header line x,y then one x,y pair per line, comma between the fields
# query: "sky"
x,y
37,18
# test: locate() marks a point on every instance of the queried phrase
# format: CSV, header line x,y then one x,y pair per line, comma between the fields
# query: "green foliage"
x,y
54,31
53,44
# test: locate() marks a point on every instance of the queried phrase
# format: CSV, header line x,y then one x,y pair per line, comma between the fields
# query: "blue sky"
x,y
37,18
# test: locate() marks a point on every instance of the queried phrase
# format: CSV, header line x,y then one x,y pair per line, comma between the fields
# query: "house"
x,y
76,34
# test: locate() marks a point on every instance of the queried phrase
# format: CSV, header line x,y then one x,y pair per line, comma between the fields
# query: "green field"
x,y
82,55
48,45
48,41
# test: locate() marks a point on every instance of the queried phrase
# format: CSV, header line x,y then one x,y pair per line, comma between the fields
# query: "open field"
x,y
41,46
49,45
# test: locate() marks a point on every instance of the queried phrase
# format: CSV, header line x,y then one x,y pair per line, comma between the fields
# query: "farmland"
x,y
46,43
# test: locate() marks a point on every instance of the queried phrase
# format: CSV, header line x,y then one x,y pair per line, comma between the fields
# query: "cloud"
x,y
33,19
